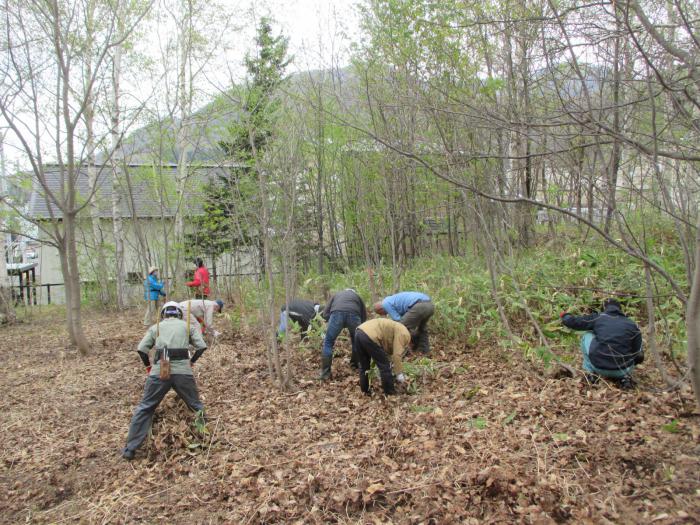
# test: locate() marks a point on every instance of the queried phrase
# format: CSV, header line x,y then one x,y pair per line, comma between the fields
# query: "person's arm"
x,y
327,310
145,346
196,281
390,310
144,357
580,322
197,341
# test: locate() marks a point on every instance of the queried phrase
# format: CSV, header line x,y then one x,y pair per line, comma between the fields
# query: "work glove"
x,y
148,370
401,378
216,334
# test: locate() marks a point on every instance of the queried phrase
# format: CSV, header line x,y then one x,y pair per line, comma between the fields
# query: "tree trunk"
x,y
183,134
617,147
99,261
117,224
692,321
7,309
71,276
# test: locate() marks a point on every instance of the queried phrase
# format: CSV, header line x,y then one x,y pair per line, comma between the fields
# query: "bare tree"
x,y
44,94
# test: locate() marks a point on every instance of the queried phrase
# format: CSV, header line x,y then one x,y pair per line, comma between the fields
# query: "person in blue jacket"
x,y
611,343
152,292
413,310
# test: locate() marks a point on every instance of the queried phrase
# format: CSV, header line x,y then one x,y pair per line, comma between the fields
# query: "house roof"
x,y
145,179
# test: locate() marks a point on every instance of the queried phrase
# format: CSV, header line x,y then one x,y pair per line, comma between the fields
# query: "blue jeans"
x,y
586,340
336,323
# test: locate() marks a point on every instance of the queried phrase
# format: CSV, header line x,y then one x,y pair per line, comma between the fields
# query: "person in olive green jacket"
x,y
175,335
384,341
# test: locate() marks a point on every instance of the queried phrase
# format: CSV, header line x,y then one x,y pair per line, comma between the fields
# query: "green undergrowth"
x,y
545,280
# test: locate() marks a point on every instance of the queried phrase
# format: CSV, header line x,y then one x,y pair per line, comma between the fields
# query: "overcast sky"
x,y
319,32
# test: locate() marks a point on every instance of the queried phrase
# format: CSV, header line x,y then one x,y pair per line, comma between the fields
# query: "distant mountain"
x,y
208,125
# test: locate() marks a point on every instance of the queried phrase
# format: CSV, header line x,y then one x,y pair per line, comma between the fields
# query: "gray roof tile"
x,y
145,183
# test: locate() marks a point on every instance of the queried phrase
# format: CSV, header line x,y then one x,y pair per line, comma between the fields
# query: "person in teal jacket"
x,y
152,292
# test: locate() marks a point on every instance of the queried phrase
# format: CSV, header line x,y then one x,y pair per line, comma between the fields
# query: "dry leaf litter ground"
x,y
486,438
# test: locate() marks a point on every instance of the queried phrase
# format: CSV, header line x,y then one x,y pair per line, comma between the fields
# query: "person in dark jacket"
x,y
346,309
301,311
612,343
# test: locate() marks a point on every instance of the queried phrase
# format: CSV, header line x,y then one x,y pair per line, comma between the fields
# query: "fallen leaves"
x,y
489,444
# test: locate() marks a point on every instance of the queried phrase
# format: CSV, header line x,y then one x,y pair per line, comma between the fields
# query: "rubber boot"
x,y
325,368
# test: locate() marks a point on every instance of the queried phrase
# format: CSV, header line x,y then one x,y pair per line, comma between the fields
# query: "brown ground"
x,y
486,438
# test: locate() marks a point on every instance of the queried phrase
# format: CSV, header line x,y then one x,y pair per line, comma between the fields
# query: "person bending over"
x,y
301,311
384,341
413,310
346,309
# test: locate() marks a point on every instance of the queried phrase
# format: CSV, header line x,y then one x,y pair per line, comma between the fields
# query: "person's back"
x,y
384,341
347,301
386,332
398,304
611,344
617,336
302,308
203,275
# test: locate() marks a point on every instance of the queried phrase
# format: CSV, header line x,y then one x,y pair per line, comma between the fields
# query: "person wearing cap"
x,y
383,341
202,312
301,311
346,309
200,282
413,310
174,336
152,292
611,344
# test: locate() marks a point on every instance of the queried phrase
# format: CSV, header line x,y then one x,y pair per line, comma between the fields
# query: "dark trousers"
x,y
416,320
303,325
366,351
153,394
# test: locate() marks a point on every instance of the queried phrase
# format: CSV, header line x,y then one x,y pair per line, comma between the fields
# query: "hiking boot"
x,y
325,374
626,383
128,454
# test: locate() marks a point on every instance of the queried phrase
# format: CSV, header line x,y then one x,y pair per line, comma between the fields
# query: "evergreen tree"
x,y
233,202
